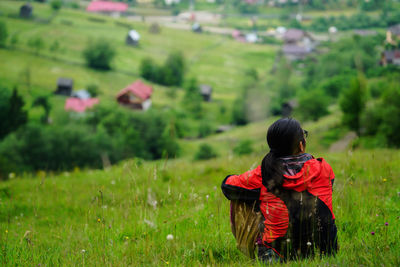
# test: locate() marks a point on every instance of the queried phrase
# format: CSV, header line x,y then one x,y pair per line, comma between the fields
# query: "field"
x,y
215,60
122,216
170,212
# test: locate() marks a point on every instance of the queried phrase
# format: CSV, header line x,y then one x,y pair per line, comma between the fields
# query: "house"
x,y
297,44
132,38
79,105
196,27
206,91
393,34
81,94
136,96
64,86
107,7
295,52
389,57
26,11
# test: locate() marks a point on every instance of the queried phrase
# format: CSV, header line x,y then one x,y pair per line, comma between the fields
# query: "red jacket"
x,y
306,180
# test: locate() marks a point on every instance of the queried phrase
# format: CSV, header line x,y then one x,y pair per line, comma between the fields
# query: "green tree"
x,y
43,101
56,4
204,152
244,147
12,114
3,34
352,103
192,99
390,112
149,70
99,54
313,105
173,69
36,43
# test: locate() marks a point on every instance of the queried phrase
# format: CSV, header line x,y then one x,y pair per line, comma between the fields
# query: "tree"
x,y
36,43
43,101
313,105
56,4
390,112
173,69
12,115
99,54
352,103
204,152
192,98
3,34
149,70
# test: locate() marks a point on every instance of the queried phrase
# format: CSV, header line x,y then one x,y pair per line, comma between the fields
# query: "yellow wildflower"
x,y
384,180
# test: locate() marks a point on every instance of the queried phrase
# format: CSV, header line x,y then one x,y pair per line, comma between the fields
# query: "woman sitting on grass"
x,y
284,206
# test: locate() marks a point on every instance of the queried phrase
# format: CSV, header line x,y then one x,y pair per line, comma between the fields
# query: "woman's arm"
x,y
245,187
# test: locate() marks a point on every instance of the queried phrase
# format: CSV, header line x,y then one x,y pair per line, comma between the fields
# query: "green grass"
x,y
215,60
111,215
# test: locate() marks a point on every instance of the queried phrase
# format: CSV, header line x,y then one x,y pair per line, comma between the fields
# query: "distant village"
x,y
297,44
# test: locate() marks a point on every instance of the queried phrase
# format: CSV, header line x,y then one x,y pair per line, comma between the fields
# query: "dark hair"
x,y
283,137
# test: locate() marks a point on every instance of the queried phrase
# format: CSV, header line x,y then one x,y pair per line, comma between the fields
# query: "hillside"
x,y
215,60
122,216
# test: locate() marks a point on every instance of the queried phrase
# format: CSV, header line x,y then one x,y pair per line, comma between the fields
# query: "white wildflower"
x,y
288,240
170,237
83,251
308,243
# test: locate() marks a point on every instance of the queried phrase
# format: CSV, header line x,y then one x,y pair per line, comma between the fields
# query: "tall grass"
x,y
122,216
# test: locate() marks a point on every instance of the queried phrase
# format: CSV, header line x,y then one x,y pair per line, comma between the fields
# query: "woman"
x,y
293,191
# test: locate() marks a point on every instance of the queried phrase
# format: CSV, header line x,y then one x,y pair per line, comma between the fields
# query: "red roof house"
x,y
79,105
106,6
136,96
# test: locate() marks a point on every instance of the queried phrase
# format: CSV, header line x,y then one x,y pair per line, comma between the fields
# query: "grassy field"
x,y
123,215
215,60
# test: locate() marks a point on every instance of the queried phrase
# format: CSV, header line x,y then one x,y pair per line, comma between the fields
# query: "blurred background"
x,y
86,84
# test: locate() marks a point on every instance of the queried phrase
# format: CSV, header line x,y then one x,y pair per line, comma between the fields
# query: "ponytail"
x,y
271,171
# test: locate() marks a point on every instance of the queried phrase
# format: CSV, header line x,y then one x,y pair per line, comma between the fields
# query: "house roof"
x,y
106,6
137,88
296,50
395,29
134,35
81,94
65,82
79,105
205,89
392,54
293,35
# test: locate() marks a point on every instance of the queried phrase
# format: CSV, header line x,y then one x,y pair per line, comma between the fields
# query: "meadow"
x,y
122,215
216,60
169,212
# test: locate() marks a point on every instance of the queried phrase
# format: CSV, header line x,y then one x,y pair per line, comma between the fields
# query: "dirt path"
x,y
343,144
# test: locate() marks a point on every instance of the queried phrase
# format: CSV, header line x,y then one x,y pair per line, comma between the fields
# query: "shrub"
x,y
192,99
313,105
204,152
56,4
352,104
36,43
171,73
99,54
243,147
3,34
12,115
93,89
205,129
